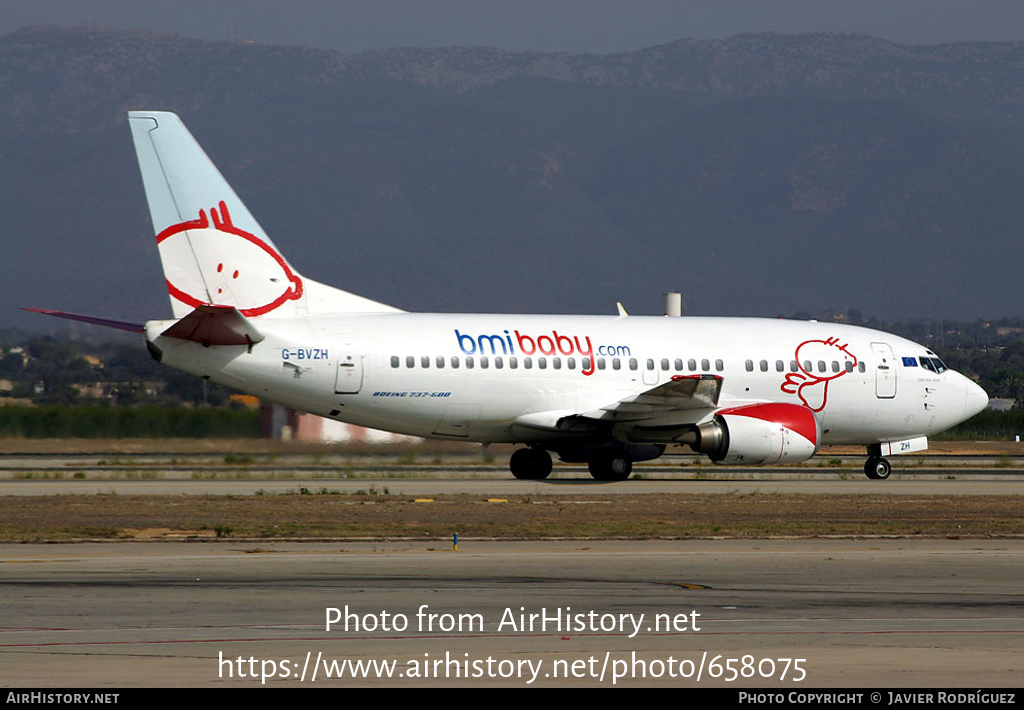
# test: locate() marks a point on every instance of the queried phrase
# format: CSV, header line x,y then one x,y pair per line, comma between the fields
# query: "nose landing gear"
x,y
876,467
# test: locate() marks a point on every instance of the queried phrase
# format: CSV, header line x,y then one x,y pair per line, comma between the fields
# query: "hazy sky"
x,y
549,25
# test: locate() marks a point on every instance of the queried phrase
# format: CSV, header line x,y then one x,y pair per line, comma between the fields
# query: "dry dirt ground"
x,y
377,514
332,516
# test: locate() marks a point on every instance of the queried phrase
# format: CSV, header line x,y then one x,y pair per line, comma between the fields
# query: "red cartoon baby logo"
x,y
236,268
810,386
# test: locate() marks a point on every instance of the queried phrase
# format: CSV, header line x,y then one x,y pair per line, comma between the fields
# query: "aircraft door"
x,y
349,376
885,371
650,368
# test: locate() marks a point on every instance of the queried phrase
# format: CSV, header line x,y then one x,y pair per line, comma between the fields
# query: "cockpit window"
x,y
934,364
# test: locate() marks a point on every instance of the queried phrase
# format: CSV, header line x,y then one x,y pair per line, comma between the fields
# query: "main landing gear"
x,y
876,467
530,464
610,468
534,464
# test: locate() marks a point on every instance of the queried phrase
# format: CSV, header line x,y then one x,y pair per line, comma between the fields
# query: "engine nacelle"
x,y
760,434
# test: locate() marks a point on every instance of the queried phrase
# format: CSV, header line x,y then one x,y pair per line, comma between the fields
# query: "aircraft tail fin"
x,y
213,250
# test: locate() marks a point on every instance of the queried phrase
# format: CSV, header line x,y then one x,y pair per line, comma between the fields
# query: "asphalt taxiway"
x,y
945,483
864,613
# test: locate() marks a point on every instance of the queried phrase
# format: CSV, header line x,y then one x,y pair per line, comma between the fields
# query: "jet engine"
x,y
760,434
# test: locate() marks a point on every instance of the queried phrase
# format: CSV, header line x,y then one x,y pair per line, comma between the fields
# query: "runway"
x,y
863,613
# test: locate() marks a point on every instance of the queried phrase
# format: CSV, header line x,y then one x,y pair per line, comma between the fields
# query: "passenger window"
x,y
395,361
632,363
664,363
849,367
616,363
469,362
455,362
679,364
763,365
513,363
692,364
410,361
749,364
483,362
835,366
650,364
571,363
542,363
440,362
527,363
705,365
793,366
821,366
808,367
600,363
425,362
556,362
498,364
780,366
719,365
860,367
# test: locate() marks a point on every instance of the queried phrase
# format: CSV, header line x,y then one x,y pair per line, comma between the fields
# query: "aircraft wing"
x,y
648,414
682,392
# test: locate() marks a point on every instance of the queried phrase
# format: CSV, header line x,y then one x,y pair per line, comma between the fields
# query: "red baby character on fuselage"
x,y
811,387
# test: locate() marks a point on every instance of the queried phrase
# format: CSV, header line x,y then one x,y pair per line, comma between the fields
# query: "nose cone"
x,y
975,399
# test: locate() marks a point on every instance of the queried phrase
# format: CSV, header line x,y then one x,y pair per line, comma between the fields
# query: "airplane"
x,y
607,391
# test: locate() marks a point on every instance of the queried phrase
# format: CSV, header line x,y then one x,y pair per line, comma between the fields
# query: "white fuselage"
x,y
471,376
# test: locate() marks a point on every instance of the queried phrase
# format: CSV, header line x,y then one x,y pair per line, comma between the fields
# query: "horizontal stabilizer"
x,y
105,322
215,325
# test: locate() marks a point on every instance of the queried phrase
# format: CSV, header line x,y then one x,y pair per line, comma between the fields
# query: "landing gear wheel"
x,y
615,468
530,464
877,468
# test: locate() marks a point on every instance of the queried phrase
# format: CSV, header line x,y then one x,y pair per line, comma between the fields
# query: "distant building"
x,y
246,400
277,422
109,390
1001,405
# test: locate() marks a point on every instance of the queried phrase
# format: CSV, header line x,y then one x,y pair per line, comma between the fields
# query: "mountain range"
x,y
760,174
